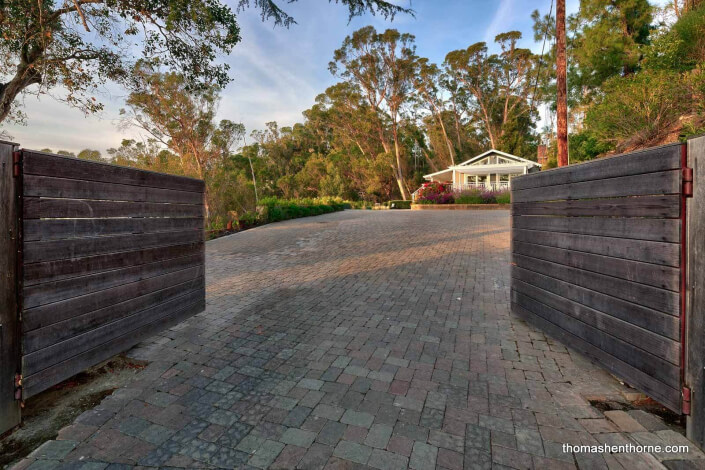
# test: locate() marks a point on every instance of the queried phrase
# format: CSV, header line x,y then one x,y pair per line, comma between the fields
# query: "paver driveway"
x,y
359,338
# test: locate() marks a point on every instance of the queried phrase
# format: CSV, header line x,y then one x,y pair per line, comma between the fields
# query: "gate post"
x,y
695,294
9,282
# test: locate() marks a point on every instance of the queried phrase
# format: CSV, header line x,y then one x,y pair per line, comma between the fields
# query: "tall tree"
x,y
77,45
427,83
499,84
611,35
182,120
382,65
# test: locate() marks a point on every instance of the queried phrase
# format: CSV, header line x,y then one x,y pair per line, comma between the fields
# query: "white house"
x,y
491,170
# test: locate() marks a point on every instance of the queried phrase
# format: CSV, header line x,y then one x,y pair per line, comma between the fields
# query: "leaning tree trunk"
x,y
24,77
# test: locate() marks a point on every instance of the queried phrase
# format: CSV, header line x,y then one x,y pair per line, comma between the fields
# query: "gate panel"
x,y
9,310
111,256
596,263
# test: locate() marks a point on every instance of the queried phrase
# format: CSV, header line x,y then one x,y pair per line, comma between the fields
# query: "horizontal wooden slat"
x,y
663,277
47,186
57,229
40,338
666,254
645,161
36,383
59,352
77,248
665,394
641,338
42,208
49,314
36,273
636,357
658,299
38,163
55,291
641,206
667,182
661,230
649,319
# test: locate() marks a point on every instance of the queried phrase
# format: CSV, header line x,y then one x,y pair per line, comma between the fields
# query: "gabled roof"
x,y
493,151
439,172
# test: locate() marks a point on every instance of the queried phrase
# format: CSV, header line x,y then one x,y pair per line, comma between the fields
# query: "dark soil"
x,y
45,414
672,420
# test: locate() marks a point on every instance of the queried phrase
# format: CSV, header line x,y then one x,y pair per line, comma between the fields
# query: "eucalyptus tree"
x,y
499,85
68,48
428,89
383,66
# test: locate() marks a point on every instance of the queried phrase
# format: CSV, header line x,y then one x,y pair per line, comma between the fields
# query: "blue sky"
x,y
278,72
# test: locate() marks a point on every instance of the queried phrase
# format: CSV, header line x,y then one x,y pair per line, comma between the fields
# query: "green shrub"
x,y
469,199
272,209
504,198
400,204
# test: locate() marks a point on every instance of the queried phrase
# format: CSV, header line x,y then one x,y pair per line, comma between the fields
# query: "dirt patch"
x,y
45,414
673,420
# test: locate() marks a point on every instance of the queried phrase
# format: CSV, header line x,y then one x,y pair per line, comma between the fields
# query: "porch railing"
x,y
501,186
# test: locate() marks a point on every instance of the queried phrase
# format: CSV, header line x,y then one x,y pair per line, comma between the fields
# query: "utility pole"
x,y
562,84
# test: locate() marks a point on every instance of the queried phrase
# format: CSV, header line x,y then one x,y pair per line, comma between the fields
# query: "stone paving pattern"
x,y
362,339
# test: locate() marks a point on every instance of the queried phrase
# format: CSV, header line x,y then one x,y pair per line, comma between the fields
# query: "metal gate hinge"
x,y
688,182
16,163
686,400
18,386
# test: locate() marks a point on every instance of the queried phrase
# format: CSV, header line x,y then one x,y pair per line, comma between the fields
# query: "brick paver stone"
x,y
360,338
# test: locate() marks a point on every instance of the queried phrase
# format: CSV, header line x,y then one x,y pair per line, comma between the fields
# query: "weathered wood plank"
x,y
43,164
645,161
665,394
57,229
47,186
642,338
666,182
666,254
695,294
9,325
40,338
37,273
649,319
639,358
35,252
661,230
45,315
64,350
42,208
641,206
55,374
56,291
640,294
663,277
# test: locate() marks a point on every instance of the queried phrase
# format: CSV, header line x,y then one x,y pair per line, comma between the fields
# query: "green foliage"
x,y
273,209
610,40
476,196
468,197
636,110
585,146
400,204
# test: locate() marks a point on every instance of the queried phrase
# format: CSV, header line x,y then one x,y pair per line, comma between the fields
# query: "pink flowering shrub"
x,y
435,193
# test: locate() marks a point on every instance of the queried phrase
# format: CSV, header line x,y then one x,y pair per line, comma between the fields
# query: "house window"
x,y
504,178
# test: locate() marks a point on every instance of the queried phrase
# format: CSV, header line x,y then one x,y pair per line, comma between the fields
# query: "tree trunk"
x,y
23,78
430,162
562,84
399,170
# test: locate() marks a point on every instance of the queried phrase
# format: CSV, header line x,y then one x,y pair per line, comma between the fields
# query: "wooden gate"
x,y
107,256
598,262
